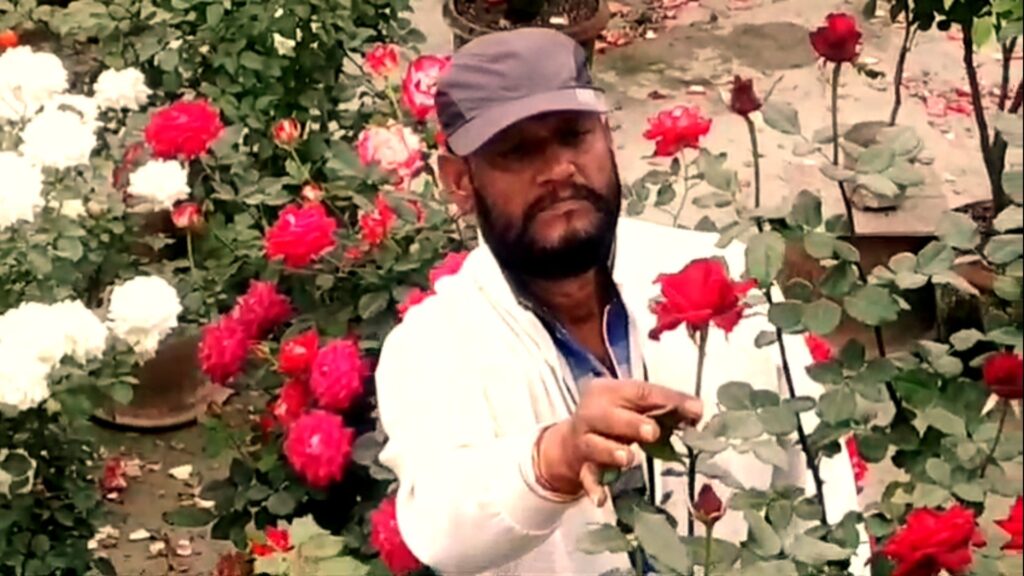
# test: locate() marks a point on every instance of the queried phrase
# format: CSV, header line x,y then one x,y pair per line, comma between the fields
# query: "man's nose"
x,y
559,166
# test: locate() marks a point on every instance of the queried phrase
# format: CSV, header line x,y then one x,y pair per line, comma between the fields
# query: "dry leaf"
x,y
158,548
183,548
181,472
139,535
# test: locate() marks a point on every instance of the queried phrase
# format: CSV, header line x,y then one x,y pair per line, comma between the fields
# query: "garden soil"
x,y
689,59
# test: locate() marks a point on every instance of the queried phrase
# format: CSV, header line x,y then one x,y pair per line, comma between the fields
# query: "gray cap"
x,y
501,78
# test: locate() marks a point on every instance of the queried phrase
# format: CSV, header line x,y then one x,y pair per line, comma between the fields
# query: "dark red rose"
x,y
1004,375
698,295
708,508
932,541
744,100
298,353
185,129
286,132
386,538
1014,526
675,129
223,349
838,40
261,309
301,235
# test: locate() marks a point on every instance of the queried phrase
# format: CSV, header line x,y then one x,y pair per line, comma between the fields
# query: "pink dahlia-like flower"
x,y
318,447
223,348
395,149
262,308
298,353
451,264
387,540
337,376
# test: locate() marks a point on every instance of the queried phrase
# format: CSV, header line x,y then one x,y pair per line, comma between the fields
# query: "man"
x,y
529,371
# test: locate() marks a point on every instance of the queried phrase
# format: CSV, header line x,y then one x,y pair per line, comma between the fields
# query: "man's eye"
x,y
574,135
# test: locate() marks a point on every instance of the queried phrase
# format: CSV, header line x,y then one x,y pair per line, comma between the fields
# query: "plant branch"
x,y
908,39
1004,83
686,188
847,205
994,155
755,152
1018,99
707,550
691,470
1005,405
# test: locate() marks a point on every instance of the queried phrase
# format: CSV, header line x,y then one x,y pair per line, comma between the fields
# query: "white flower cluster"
x,y
35,338
142,311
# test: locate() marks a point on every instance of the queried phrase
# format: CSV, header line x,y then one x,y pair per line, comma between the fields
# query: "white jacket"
x,y
467,380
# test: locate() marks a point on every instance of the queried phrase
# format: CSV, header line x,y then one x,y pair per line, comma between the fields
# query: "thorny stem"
x,y
1005,405
908,39
691,469
805,445
686,188
1004,84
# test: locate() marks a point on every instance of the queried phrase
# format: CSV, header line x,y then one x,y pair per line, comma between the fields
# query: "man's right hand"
x,y
612,415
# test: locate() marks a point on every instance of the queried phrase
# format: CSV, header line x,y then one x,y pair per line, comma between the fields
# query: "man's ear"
x,y
455,182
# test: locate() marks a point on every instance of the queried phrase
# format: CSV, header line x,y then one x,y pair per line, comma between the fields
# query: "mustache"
x,y
574,192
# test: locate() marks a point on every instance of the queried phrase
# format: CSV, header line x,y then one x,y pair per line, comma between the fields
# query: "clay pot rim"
x,y
583,32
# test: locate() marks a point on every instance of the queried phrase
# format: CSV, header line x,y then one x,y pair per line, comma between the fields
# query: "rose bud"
x,y
1004,375
744,100
287,132
708,508
187,216
8,39
312,192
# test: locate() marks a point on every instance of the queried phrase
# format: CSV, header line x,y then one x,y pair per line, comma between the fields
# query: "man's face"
x,y
547,195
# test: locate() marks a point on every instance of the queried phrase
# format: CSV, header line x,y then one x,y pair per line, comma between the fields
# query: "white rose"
x,y
21,189
85,335
161,183
23,380
121,89
34,330
142,311
28,80
58,139
87,108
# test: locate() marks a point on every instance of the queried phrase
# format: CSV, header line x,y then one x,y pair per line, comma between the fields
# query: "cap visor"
x,y
475,133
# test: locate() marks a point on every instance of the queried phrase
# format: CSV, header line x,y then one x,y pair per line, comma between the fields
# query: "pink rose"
x,y
395,149
419,86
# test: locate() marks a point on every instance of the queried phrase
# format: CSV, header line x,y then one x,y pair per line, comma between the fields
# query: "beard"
x,y
576,252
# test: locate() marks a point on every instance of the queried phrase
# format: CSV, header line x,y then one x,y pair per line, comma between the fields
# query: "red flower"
x,y
301,235
1004,375
382,60
375,226
675,129
744,100
223,348
114,478
838,40
419,86
932,541
291,403
394,148
277,541
440,139
708,509
860,467
386,538
414,297
187,216
337,376
286,132
8,39
700,294
298,353
1014,526
318,447
451,264
312,192
261,309
185,129
821,350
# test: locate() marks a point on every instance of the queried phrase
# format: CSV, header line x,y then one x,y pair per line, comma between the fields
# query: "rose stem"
x,y
908,39
686,188
1005,405
691,471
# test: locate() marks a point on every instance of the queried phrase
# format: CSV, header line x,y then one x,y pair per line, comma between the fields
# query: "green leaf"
x,y
822,316
703,441
189,517
786,315
70,248
635,207
765,338
837,405
1004,248
716,174
214,13
910,280
815,552
826,372
735,395
808,509
838,280
806,210
852,355
661,541
939,471
819,245
346,565
604,538
765,253
878,185
936,257
837,174
781,116
763,540
955,280
1007,336
875,159
903,173
240,472
872,447
798,289
945,421
778,420
847,251
768,451
666,195
764,399
1013,184
737,425
273,565
713,200
872,305
774,567
930,496
1011,218
322,546
970,492
373,303
281,503
121,392
957,230
1007,288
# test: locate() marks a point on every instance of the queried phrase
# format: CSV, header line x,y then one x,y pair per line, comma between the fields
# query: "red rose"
x,y
414,297
337,375
419,86
932,541
8,39
744,100
451,264
375,226
838,40
700,294
287,132
291,403
860,467
675,129
821,350
301,235
1004,375
277,541
312,193
1014,526
187,216
298,353
223,349
386,538
261,309
708,509
318,447
185,129
382,60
